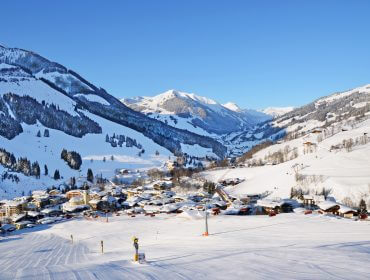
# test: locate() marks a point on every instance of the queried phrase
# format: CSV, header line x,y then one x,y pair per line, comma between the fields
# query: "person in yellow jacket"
x,y
136,246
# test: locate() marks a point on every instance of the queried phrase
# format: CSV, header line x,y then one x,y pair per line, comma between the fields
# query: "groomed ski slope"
x,y
288,246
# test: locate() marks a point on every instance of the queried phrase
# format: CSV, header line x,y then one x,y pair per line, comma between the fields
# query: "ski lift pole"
x,y
206,220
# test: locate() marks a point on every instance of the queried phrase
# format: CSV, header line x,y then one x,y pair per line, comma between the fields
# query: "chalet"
x,y
54,200
308,201
34,216
346,212
109,202
73,193
51,212
75,204
19,217
13,207
41,201
329,207
270,206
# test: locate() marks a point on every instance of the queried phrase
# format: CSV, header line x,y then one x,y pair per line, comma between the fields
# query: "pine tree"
x,y
46,171
38,134
63,155
90,176
46,133
56,175
35,170
107,138
362,207
72,181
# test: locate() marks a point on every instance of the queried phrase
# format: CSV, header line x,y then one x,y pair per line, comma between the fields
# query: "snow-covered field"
x,y
288,246
347,174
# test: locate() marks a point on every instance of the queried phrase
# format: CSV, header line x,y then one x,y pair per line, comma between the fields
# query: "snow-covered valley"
x,y
285,189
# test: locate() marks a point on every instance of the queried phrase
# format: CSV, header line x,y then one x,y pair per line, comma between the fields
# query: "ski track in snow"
x,y
288,246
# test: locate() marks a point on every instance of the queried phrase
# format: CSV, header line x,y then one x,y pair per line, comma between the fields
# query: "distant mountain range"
x,y
196,113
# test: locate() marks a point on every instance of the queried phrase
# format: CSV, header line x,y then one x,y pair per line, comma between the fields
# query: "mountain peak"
x,y
277,111
232,106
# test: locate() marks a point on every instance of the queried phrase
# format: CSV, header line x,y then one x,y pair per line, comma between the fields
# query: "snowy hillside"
x,y
196,113
335,158
45,107
323,112
31,66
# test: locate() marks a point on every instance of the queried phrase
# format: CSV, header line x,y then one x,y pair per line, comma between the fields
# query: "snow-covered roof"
x,y
49,210
13,203
345,209
18,217
109,199
325,205
94,201
270,203
71,208
170,207
76,199
33,213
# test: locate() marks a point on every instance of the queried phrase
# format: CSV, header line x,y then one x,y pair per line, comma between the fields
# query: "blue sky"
x,y
255,53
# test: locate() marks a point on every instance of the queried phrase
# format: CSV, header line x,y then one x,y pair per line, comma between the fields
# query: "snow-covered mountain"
x,y
45,107
323,112
196,113
277,111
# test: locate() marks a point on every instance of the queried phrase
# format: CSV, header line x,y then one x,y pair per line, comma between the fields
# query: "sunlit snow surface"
x,y
288,246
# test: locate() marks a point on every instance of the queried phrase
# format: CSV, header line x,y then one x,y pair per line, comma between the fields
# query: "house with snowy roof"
x,y
346,212
275,205
329,207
